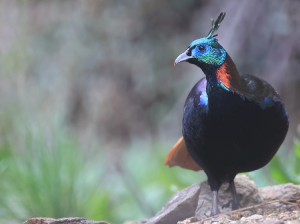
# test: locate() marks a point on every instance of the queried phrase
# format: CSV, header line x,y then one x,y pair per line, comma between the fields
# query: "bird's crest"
x,y
209,39
215,25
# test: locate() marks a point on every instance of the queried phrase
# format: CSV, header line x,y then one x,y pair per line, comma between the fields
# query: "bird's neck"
x,y
223,77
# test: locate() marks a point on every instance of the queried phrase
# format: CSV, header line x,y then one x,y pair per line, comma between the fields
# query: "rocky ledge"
x,y
275,203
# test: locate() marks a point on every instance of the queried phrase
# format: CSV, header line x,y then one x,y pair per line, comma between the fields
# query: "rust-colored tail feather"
x,y
179,156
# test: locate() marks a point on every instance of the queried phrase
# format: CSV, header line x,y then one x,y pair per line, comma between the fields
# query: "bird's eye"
x,y
201,48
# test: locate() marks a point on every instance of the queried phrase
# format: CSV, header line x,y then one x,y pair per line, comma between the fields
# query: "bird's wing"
x,y
179,156
256,88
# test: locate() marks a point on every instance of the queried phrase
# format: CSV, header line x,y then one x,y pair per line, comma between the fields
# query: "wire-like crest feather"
x,y
216,24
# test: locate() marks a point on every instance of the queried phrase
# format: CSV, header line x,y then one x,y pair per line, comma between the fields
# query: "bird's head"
x,y
205,52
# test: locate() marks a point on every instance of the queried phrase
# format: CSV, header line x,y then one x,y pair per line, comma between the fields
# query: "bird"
x,y
232,122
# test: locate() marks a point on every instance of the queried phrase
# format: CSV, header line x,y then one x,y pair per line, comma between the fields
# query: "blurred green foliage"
x,y
286,169
49,178
44,174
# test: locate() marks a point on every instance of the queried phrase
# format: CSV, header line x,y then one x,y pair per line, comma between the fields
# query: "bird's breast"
x,y
231,118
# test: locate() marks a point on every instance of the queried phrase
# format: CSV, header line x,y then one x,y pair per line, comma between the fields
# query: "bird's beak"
x,y
182,57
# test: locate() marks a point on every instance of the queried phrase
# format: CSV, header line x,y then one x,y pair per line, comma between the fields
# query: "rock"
x,y
182,205
193,219
235,216
135,222
293,222
198,197
62,221
284,192
273,222
253,217
259,211
247,213
247,192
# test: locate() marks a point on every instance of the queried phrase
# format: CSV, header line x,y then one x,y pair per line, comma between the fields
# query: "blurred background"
x,y
90,102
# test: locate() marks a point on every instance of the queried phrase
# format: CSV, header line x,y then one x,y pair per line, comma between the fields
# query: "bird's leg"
x,y
234,202
215,210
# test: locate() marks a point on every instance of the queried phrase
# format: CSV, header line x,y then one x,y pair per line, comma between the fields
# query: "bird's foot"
x,y
232,205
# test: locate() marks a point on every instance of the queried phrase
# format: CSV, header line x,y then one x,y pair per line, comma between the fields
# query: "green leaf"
x,y
277,172
297,148
297,156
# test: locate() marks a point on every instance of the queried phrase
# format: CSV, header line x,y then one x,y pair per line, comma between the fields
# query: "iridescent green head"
x,y
205,51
